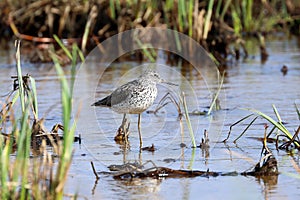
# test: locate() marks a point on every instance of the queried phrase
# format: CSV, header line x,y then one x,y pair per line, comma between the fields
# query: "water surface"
x,y
248,84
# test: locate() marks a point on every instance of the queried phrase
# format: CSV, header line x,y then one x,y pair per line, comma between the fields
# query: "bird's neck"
x,y
147,81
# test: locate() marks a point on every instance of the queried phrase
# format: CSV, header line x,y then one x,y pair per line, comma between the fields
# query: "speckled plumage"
x,y
133,97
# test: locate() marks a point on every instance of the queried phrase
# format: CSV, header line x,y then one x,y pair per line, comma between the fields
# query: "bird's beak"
x,y
169,83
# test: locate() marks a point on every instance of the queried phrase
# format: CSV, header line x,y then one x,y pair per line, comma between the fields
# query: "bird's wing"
x,y
123,92
117,96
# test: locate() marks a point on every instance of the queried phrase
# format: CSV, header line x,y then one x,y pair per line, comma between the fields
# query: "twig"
x,y
94,170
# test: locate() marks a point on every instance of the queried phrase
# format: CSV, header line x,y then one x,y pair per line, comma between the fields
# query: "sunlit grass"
x,y
277,125
188,121
26,174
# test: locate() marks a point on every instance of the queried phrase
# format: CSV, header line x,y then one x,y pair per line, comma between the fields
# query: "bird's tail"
x,y
105,102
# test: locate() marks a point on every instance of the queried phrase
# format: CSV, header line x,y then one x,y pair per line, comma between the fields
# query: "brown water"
x,y
247,84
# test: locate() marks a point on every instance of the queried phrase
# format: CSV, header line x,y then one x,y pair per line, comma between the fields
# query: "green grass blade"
x,y
68,132
237,24
188,121
34,97
177,41
277,114
20,78
181,14
191,163
278,125
232,125
225,8
190,16
169,5
248,15
207,19
25,160
297,110
23,133
64,48
80,54
5,155
112,9
65,98
218,8
73,68
216,96
245,129
144,48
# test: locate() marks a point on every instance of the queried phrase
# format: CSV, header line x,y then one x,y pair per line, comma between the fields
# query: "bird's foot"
x,y
123,132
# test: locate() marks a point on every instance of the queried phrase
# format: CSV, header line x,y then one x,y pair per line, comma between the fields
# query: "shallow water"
x,y
248,84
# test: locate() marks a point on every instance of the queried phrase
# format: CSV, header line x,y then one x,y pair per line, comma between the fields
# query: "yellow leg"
x,y
124,119
139,129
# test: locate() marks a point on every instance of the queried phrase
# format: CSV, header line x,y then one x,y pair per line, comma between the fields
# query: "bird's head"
x,y
154,77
